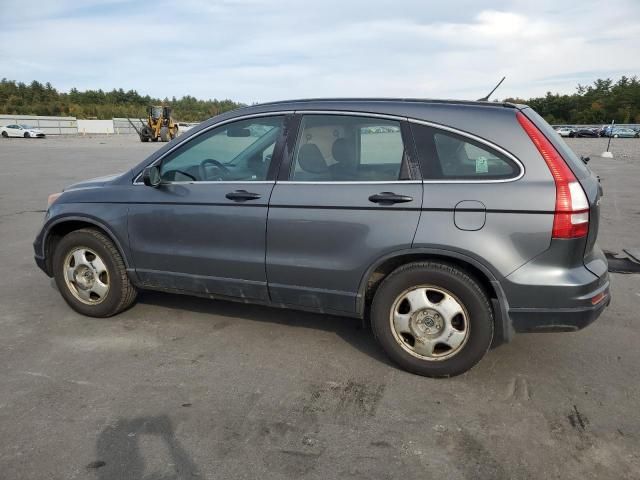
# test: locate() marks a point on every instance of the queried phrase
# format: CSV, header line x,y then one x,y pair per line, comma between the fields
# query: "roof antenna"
x,y
486,99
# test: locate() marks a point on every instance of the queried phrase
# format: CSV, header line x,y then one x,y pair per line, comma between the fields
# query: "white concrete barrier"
x,y
49,125
95,126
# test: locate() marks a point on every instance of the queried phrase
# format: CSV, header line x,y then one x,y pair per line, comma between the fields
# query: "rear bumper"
x,y
530,320
545,296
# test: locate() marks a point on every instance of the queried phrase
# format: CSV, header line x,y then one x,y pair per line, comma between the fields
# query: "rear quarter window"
x,y
446,155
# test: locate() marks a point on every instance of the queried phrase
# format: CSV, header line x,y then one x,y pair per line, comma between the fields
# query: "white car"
x,y
565,131
21,131
185,127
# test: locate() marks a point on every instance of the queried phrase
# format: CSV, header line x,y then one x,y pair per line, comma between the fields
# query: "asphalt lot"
x,y
180,387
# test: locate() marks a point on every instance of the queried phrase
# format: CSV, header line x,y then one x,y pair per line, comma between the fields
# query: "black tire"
x,y
467,292
164,134
146,134
121,293
5,134
26,135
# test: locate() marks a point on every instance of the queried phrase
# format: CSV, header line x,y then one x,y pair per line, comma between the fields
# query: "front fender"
x,y
110,218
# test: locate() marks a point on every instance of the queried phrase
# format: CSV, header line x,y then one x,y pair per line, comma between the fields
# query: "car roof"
x,y
419,108
378,101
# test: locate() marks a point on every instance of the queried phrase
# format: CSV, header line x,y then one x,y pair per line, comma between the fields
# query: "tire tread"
x,y
448,268
128,292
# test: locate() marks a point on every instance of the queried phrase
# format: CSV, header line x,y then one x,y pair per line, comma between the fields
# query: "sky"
x,y
263,50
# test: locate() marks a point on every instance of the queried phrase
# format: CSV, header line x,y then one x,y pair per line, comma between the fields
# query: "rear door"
x,y
348,193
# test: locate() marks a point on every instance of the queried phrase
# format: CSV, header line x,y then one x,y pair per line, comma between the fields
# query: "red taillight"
x,y
599,297
571,218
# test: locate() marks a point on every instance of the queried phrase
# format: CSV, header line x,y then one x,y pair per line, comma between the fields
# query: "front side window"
x,y
237,151
448,156
349,148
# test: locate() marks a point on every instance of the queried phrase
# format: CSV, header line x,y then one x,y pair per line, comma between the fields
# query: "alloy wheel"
x,y
86,275
429,322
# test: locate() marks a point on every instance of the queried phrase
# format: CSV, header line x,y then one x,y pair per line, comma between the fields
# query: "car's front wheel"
x,y
27,135
432,319
91,275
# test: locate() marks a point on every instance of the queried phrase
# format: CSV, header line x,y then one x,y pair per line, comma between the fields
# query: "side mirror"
x,y
151,176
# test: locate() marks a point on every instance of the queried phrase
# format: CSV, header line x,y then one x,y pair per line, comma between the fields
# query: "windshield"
x,y
27,127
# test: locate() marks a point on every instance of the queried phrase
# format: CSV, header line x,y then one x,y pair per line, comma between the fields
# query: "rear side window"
x,y
343,148
448,156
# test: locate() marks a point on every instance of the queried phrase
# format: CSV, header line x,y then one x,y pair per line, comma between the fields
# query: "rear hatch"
x,y
594,259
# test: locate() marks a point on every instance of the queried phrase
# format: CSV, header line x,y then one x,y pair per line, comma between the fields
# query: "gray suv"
x,y
450,225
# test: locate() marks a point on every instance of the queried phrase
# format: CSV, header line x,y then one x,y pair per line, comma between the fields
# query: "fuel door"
x,y
470,215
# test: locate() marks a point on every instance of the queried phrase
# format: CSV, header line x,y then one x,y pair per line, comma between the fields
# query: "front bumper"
x,y
42,264
39,252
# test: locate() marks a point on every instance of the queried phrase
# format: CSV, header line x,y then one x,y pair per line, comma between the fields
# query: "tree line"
x,y
601,102
35,98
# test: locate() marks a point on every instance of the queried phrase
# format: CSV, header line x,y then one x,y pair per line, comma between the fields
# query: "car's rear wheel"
x,y
91,275
5,134
432,319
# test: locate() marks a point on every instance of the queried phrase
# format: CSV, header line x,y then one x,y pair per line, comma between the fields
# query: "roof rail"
x,y
391,100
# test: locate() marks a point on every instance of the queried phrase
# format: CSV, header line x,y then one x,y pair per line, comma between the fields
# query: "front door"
x,y
351,195
203,229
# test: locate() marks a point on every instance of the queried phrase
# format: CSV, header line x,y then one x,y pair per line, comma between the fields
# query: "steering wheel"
x,y
218,174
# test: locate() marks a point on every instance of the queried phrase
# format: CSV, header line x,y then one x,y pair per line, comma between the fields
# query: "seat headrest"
x,y
311,160
342,151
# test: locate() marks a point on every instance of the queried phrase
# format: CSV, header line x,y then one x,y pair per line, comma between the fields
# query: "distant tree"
x,y
38,99
600,102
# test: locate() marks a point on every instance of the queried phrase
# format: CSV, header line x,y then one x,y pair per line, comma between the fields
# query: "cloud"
x,y
255,50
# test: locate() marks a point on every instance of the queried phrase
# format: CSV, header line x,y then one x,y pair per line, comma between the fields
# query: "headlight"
x,y
52,198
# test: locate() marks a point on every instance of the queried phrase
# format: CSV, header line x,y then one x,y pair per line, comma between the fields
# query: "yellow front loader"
x,y
159,125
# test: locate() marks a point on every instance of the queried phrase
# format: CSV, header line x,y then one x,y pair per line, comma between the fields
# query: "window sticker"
x,y
481,165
